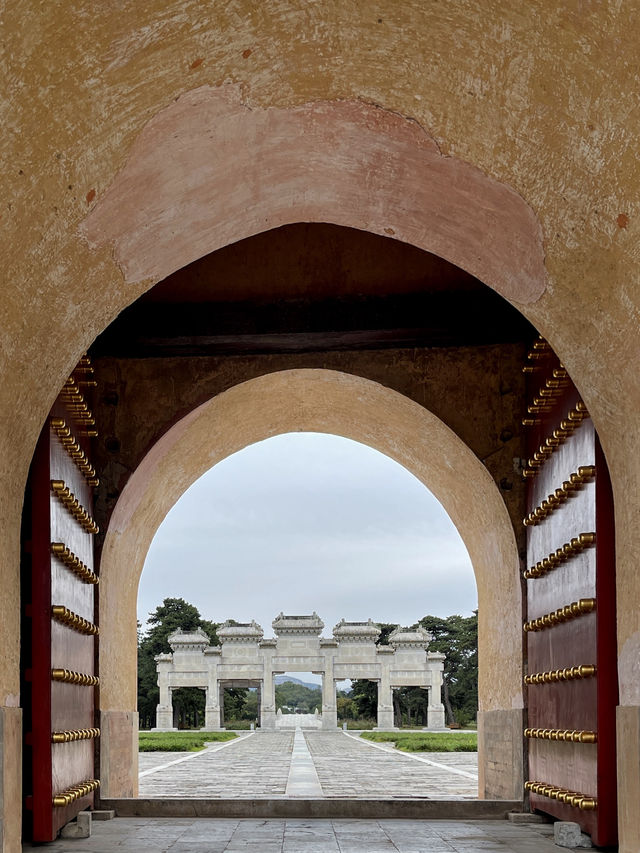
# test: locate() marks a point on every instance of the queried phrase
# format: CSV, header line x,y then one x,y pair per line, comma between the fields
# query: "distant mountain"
x,y
280,679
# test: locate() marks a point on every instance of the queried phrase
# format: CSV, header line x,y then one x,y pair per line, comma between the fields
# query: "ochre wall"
x,y
541,100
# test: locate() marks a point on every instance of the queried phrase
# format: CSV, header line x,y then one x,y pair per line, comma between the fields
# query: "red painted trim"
x,y
43,829
607,825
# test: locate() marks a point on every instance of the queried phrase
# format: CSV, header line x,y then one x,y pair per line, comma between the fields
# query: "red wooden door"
x,y
571,670
59,627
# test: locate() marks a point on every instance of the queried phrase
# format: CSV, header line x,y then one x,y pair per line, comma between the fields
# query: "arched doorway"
x,y
325,401
529,294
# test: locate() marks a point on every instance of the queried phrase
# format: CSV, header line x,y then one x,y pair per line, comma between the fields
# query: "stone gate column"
x,y
385,699
212,719
329,702
211,708
268,704
435,709
164,708
221,703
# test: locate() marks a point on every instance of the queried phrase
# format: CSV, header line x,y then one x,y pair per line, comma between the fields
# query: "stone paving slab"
x,y
340,766
352,768
167,835
255,766
149,760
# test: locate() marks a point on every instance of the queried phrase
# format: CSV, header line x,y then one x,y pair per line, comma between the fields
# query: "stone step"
x,y
414,809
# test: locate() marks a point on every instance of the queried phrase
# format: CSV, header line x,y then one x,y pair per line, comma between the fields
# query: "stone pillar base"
x,y
211,718
385,720
268,720
501,754
330,719
164,719
435,717
628,737
10,778
119,754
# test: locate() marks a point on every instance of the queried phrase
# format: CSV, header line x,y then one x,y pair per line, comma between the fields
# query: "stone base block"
x,y
324,809
10,779
435,718
501,754
568,834
78,828
628,751
103,814
119,754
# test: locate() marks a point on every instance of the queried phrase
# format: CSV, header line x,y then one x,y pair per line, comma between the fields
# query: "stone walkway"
x,y
253,766
325,764
167,835
351,767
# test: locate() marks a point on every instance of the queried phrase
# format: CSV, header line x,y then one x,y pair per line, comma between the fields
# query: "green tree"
x,y
346,707
292,698
171,615
457,638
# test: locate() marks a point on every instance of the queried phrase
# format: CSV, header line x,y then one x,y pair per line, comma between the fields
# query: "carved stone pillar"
x,y
329,703
268,698
385,699
268,704
435,711
212,718
164,709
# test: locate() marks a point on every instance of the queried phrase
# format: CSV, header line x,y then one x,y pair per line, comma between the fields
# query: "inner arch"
x,y
309,521
317,400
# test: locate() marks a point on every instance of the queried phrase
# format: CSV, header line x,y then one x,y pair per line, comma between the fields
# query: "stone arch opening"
x,y
342,404
306,522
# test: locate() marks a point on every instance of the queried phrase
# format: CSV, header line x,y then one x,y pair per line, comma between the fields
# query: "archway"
x,y
627,622
309,522
322,401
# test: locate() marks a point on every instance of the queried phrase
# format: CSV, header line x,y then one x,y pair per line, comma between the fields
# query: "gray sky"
x,y
304,522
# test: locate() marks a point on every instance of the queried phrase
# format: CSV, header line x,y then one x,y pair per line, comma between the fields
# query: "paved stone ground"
x,y
203,835
351,767
255,766
260,766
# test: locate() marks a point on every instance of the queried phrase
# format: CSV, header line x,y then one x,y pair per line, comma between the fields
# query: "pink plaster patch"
x,y
208,171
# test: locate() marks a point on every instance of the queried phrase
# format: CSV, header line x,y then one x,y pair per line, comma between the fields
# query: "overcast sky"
x,y
304,522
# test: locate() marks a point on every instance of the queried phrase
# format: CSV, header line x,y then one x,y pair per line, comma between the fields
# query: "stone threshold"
x,y
410,809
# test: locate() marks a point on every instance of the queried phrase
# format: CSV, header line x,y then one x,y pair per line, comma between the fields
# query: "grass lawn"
x,y
427,741
179,741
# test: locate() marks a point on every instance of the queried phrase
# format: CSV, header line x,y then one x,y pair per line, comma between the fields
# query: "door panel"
x,y
570,626
58,597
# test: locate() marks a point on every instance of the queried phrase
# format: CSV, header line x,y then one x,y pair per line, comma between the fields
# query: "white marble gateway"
x,y
246,659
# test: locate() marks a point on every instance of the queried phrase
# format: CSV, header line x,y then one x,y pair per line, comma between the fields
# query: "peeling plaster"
x,y
208,170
